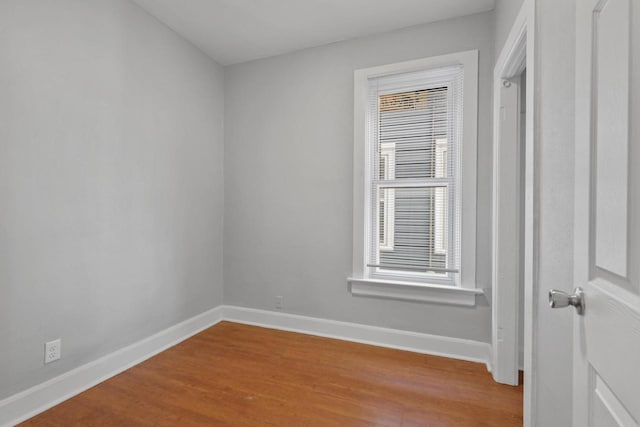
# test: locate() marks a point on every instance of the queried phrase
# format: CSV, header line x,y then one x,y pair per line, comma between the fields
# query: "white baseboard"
x,y
28,403
436,345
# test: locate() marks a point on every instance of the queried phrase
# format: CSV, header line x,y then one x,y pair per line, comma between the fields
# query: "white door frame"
x,y
517,55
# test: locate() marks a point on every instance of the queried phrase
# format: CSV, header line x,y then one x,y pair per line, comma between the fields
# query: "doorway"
x,y
513,208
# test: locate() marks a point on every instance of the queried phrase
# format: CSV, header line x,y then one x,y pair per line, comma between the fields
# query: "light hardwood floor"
x,y
238,375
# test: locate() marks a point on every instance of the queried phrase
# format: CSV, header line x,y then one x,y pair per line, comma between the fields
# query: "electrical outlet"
x,y
52,350
279,302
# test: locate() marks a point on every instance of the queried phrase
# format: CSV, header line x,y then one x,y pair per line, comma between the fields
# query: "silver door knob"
x,y
559,299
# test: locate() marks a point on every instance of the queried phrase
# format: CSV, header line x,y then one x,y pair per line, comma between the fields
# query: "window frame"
x,y
444,77
361,281
441,214
388,156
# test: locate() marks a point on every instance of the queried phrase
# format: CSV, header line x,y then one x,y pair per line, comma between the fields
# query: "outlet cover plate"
x,y
52,350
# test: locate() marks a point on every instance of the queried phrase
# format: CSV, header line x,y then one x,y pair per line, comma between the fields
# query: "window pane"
x,y
413,125
412,227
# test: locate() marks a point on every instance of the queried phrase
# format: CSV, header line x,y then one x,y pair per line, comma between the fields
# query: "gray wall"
x,y
111,182
553,351
506,12
288,179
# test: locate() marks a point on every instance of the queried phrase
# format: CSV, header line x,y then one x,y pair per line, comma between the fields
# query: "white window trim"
x,y
359,282
441,216
388,152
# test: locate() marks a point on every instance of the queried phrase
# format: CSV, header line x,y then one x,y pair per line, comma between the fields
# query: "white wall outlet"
x,y
52,350
279,302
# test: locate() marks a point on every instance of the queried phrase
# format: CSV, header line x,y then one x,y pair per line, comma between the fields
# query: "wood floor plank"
x,y
239,375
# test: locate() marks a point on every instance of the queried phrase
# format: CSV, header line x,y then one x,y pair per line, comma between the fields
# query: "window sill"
x,y
413,292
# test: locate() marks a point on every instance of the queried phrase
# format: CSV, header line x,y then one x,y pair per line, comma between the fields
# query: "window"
x,y
386,213
414,175
441,203
414,121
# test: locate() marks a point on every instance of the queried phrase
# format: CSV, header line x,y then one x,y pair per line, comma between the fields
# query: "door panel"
x,y
607,409
612,333
607,241
611,113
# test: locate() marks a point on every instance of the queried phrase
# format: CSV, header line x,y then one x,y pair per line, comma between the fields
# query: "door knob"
x,y
559,299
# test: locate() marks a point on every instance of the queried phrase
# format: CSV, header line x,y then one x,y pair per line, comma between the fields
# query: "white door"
x,y
607,213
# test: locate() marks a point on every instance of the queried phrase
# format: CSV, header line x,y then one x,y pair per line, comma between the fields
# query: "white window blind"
x,y
414,137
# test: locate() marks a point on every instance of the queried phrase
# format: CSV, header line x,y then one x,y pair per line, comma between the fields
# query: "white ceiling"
x,y
232,31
